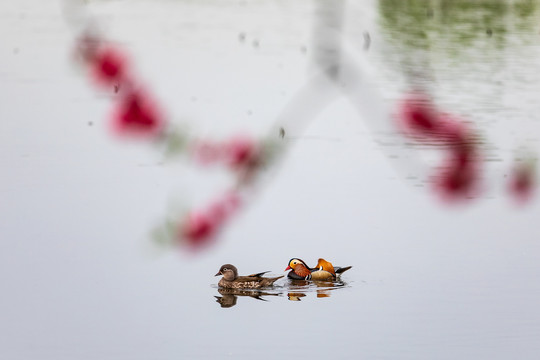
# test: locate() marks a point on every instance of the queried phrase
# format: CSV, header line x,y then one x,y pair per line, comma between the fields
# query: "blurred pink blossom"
x,y
200,226
109,66
522,182
459,176
417,117
136,114
206,152
241,151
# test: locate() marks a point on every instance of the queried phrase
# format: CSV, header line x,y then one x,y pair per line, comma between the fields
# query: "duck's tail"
x,y
273,280
341,270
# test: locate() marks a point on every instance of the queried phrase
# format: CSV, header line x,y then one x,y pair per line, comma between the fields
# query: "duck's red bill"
x,y
288,268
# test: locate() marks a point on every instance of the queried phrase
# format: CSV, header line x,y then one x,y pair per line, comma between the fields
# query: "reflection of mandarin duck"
x,y
323,293
324,271
231,280
295,296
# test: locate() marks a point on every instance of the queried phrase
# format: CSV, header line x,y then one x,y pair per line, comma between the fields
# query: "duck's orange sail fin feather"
x,y
326,265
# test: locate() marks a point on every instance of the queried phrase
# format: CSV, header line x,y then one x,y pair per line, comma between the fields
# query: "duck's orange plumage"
x,y
324,271
300,268
326,266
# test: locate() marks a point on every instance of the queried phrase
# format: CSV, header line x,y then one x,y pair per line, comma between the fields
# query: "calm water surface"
x,y
80,277
293,290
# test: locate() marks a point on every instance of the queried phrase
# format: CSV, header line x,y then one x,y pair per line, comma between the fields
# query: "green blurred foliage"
x,y
419,24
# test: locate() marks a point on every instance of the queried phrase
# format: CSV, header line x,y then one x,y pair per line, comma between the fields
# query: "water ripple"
x,y
294,290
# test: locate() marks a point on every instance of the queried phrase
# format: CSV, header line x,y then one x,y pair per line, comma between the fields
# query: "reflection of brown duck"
x,y
230,296
231,280
226,301
324,271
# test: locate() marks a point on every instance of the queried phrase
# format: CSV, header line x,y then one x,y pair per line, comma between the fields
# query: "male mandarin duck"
x,y
231,280
324,271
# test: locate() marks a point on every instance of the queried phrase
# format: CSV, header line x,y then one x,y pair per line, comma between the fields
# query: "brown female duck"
x,y
324,271
231,280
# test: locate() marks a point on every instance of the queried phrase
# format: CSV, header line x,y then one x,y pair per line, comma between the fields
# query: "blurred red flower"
x,y
457,183
136,114
206,152
417,117
109,67
522,182
459,177
241,151
201,226
198,228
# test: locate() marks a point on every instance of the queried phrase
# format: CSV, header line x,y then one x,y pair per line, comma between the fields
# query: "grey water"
x,y
81,278
294,290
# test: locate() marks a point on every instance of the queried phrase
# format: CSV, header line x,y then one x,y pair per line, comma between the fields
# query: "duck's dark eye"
x,y
225,269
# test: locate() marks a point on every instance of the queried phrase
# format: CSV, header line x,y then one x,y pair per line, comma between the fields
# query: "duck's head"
x,y
326,266
228,271
295,263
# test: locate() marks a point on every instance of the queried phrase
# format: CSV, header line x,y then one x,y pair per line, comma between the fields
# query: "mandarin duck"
x,y
231,280
324,271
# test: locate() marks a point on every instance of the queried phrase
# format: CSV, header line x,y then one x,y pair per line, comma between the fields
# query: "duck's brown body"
x,y
247,282
231,280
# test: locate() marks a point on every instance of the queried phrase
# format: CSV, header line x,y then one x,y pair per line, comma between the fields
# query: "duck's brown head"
x,y
299,267
228,271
